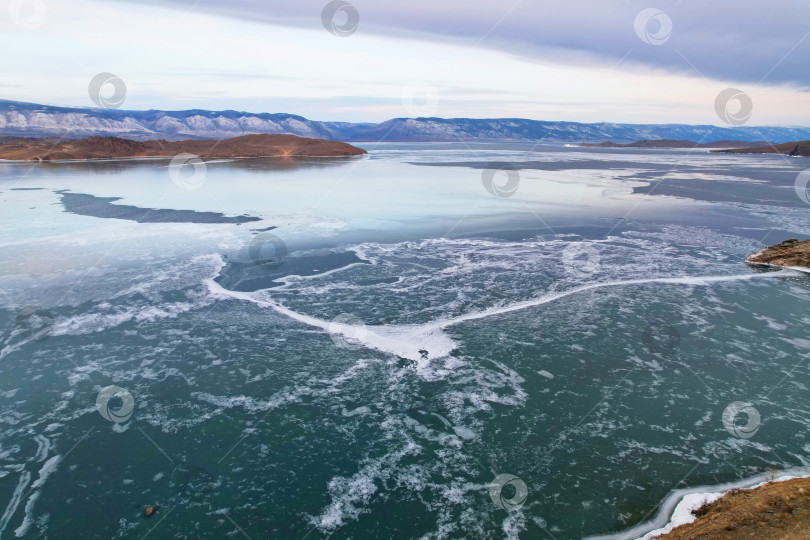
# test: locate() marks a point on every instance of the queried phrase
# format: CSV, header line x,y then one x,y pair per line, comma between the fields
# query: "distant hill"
x,y
668,143
18,119
797,149
114,147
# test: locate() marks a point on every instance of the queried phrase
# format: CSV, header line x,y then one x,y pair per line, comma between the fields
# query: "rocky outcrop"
x,y
788,253
114,147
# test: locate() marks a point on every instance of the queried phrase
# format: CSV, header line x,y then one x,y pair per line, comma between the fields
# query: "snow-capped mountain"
x,y
28,119
32,120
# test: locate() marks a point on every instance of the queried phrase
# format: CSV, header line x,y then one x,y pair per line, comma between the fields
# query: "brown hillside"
x,y
113,147
775,511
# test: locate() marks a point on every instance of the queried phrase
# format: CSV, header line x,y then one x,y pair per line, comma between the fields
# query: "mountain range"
x,y
20,119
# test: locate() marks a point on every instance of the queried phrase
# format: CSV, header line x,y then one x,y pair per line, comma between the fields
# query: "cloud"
x,y
744,41
272,58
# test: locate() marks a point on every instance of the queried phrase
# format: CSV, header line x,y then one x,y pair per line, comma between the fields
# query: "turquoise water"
x,y
359,348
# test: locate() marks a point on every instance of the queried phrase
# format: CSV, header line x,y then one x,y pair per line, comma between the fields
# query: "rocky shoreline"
x,y
779,509
790,253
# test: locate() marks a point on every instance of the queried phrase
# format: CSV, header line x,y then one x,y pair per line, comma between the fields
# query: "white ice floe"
x,y
43,447
28,519
47,469
22,483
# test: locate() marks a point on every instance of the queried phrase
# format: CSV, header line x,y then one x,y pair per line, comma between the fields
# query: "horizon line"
x,y
123,110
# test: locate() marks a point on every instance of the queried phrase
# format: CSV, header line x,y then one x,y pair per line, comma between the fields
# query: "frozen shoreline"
x,y
677,507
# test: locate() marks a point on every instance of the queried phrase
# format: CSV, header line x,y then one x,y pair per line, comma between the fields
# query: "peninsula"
x,y
246,146
788,253
794,149
671,143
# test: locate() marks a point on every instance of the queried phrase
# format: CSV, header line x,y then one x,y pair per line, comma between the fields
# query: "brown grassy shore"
x,y
790,253
237,147
777,510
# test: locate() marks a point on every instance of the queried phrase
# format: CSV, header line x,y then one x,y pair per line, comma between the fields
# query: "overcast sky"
x,y
579,60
